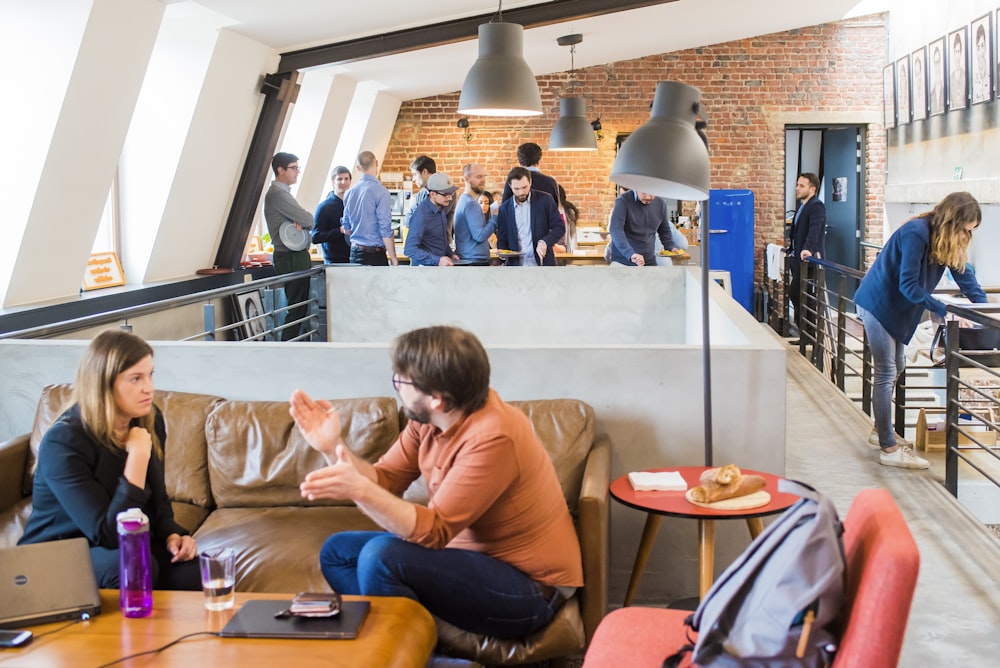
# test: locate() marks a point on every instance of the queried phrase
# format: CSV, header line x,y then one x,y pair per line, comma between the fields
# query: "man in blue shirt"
x,y
368,217
427,239
328,230
472,230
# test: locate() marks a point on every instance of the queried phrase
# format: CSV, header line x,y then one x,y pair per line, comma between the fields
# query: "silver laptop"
x,y
47,582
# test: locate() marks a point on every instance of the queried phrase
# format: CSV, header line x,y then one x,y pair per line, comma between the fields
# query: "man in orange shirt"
x,y
494,551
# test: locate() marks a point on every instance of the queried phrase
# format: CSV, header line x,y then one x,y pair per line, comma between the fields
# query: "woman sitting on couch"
x,y
104,455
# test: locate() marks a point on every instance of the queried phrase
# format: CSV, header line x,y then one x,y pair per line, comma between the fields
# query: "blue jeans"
x,y
470,590
889,362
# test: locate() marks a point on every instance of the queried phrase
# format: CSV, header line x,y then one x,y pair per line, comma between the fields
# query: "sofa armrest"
x,y
13,459
592,527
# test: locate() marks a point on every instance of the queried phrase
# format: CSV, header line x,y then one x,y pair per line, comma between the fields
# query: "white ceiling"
x,y
684,24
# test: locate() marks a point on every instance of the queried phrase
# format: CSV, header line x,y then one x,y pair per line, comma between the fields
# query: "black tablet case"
x,y
256,619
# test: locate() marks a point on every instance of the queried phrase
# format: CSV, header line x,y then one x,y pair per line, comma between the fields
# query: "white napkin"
x,y
663,481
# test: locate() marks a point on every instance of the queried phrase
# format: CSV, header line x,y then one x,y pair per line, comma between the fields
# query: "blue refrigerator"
x,y
731,245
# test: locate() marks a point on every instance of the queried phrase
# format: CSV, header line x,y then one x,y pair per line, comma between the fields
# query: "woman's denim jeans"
x,y
889,362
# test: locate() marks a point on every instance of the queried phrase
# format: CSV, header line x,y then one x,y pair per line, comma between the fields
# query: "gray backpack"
x,y
778,604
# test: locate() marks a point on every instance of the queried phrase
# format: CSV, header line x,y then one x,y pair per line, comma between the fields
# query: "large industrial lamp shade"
x,y
572,132
668,157
500,83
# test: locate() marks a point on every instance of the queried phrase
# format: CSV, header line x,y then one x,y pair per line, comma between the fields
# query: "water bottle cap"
x,y
132,519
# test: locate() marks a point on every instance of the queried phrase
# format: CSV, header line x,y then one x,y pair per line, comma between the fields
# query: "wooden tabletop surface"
x,y
398,633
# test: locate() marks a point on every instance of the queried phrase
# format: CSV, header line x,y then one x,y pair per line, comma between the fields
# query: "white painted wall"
x,y
86,142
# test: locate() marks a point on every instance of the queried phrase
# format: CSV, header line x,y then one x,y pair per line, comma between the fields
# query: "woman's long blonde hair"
x,y
949,238
109,354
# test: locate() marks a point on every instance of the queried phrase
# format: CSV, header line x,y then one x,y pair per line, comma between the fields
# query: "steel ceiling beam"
x,y
437,34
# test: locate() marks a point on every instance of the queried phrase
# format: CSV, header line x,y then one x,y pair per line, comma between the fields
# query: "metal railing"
x,y
247,324
970,402
834,341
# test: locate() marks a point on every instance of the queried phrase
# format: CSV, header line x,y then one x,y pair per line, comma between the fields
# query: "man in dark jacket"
x,y
528,222
528,156
328,231
808,236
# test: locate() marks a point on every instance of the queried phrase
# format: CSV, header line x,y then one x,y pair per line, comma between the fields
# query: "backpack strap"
x,y
674,660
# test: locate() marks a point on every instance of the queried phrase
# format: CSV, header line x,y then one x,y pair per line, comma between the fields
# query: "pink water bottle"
x,y
135,572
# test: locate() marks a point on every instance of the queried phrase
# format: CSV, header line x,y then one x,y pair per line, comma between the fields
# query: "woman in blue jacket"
x,y
105,455
896,291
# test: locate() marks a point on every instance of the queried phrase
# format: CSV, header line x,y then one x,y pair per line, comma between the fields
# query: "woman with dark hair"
x,y
104,455
485,200
896,291
570,215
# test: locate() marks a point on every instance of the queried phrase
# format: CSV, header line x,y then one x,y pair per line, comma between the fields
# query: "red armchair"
x,y
882,566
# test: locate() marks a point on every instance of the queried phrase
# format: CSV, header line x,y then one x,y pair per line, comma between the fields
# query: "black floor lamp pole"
x,y
706,338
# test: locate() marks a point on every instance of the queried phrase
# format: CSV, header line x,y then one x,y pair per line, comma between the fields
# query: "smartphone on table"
x,y
14,638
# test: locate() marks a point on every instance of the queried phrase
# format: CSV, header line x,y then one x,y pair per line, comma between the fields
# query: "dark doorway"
x,y
836,155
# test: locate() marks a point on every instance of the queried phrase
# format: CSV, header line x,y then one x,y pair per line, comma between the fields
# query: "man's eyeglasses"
x,y
295,167
397,382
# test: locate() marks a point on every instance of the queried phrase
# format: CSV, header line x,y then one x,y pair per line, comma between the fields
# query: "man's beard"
x,y
479,191
418,413
521,200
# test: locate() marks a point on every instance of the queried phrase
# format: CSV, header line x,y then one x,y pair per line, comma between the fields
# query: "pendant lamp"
x,y
572,132
668,157
500,83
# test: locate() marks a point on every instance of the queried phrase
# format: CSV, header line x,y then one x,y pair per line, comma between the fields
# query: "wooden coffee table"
x,y
398,633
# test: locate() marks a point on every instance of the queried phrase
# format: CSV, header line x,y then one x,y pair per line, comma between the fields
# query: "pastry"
x,y
710,492
722,476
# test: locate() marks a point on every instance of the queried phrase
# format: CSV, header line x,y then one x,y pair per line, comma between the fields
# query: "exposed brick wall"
x,y
746,85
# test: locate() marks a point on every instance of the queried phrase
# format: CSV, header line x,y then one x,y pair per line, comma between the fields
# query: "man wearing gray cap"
x,y
427,239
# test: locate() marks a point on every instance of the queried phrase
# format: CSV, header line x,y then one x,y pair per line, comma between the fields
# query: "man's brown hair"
x,y
445,360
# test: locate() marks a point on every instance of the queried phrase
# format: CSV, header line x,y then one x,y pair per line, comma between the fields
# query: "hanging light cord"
x,y
572,68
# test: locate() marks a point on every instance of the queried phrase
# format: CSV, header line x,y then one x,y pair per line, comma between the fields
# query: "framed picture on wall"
x,y
889,94
918,88
958,69
982,59
250,312
935,75
903,90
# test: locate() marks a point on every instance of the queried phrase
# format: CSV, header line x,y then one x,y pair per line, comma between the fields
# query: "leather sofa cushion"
x,y
277,549
188,515
12,522
185,459
566,428
257,457
564,632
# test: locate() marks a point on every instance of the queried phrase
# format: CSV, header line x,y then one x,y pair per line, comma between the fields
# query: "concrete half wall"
x,y
640,368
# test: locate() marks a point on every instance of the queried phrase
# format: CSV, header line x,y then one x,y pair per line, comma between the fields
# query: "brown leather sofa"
x,y
233,470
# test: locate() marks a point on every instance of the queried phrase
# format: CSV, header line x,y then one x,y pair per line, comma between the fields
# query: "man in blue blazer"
x,y
808,236
529,222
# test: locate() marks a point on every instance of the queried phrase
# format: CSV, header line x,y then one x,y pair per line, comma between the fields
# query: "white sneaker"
x,y
873,439
903,458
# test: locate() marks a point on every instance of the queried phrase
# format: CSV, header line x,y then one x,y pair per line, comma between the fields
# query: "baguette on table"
x,y
710,492
724,475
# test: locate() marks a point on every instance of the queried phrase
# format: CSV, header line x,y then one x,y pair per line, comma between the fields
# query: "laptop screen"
x,y
47,582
